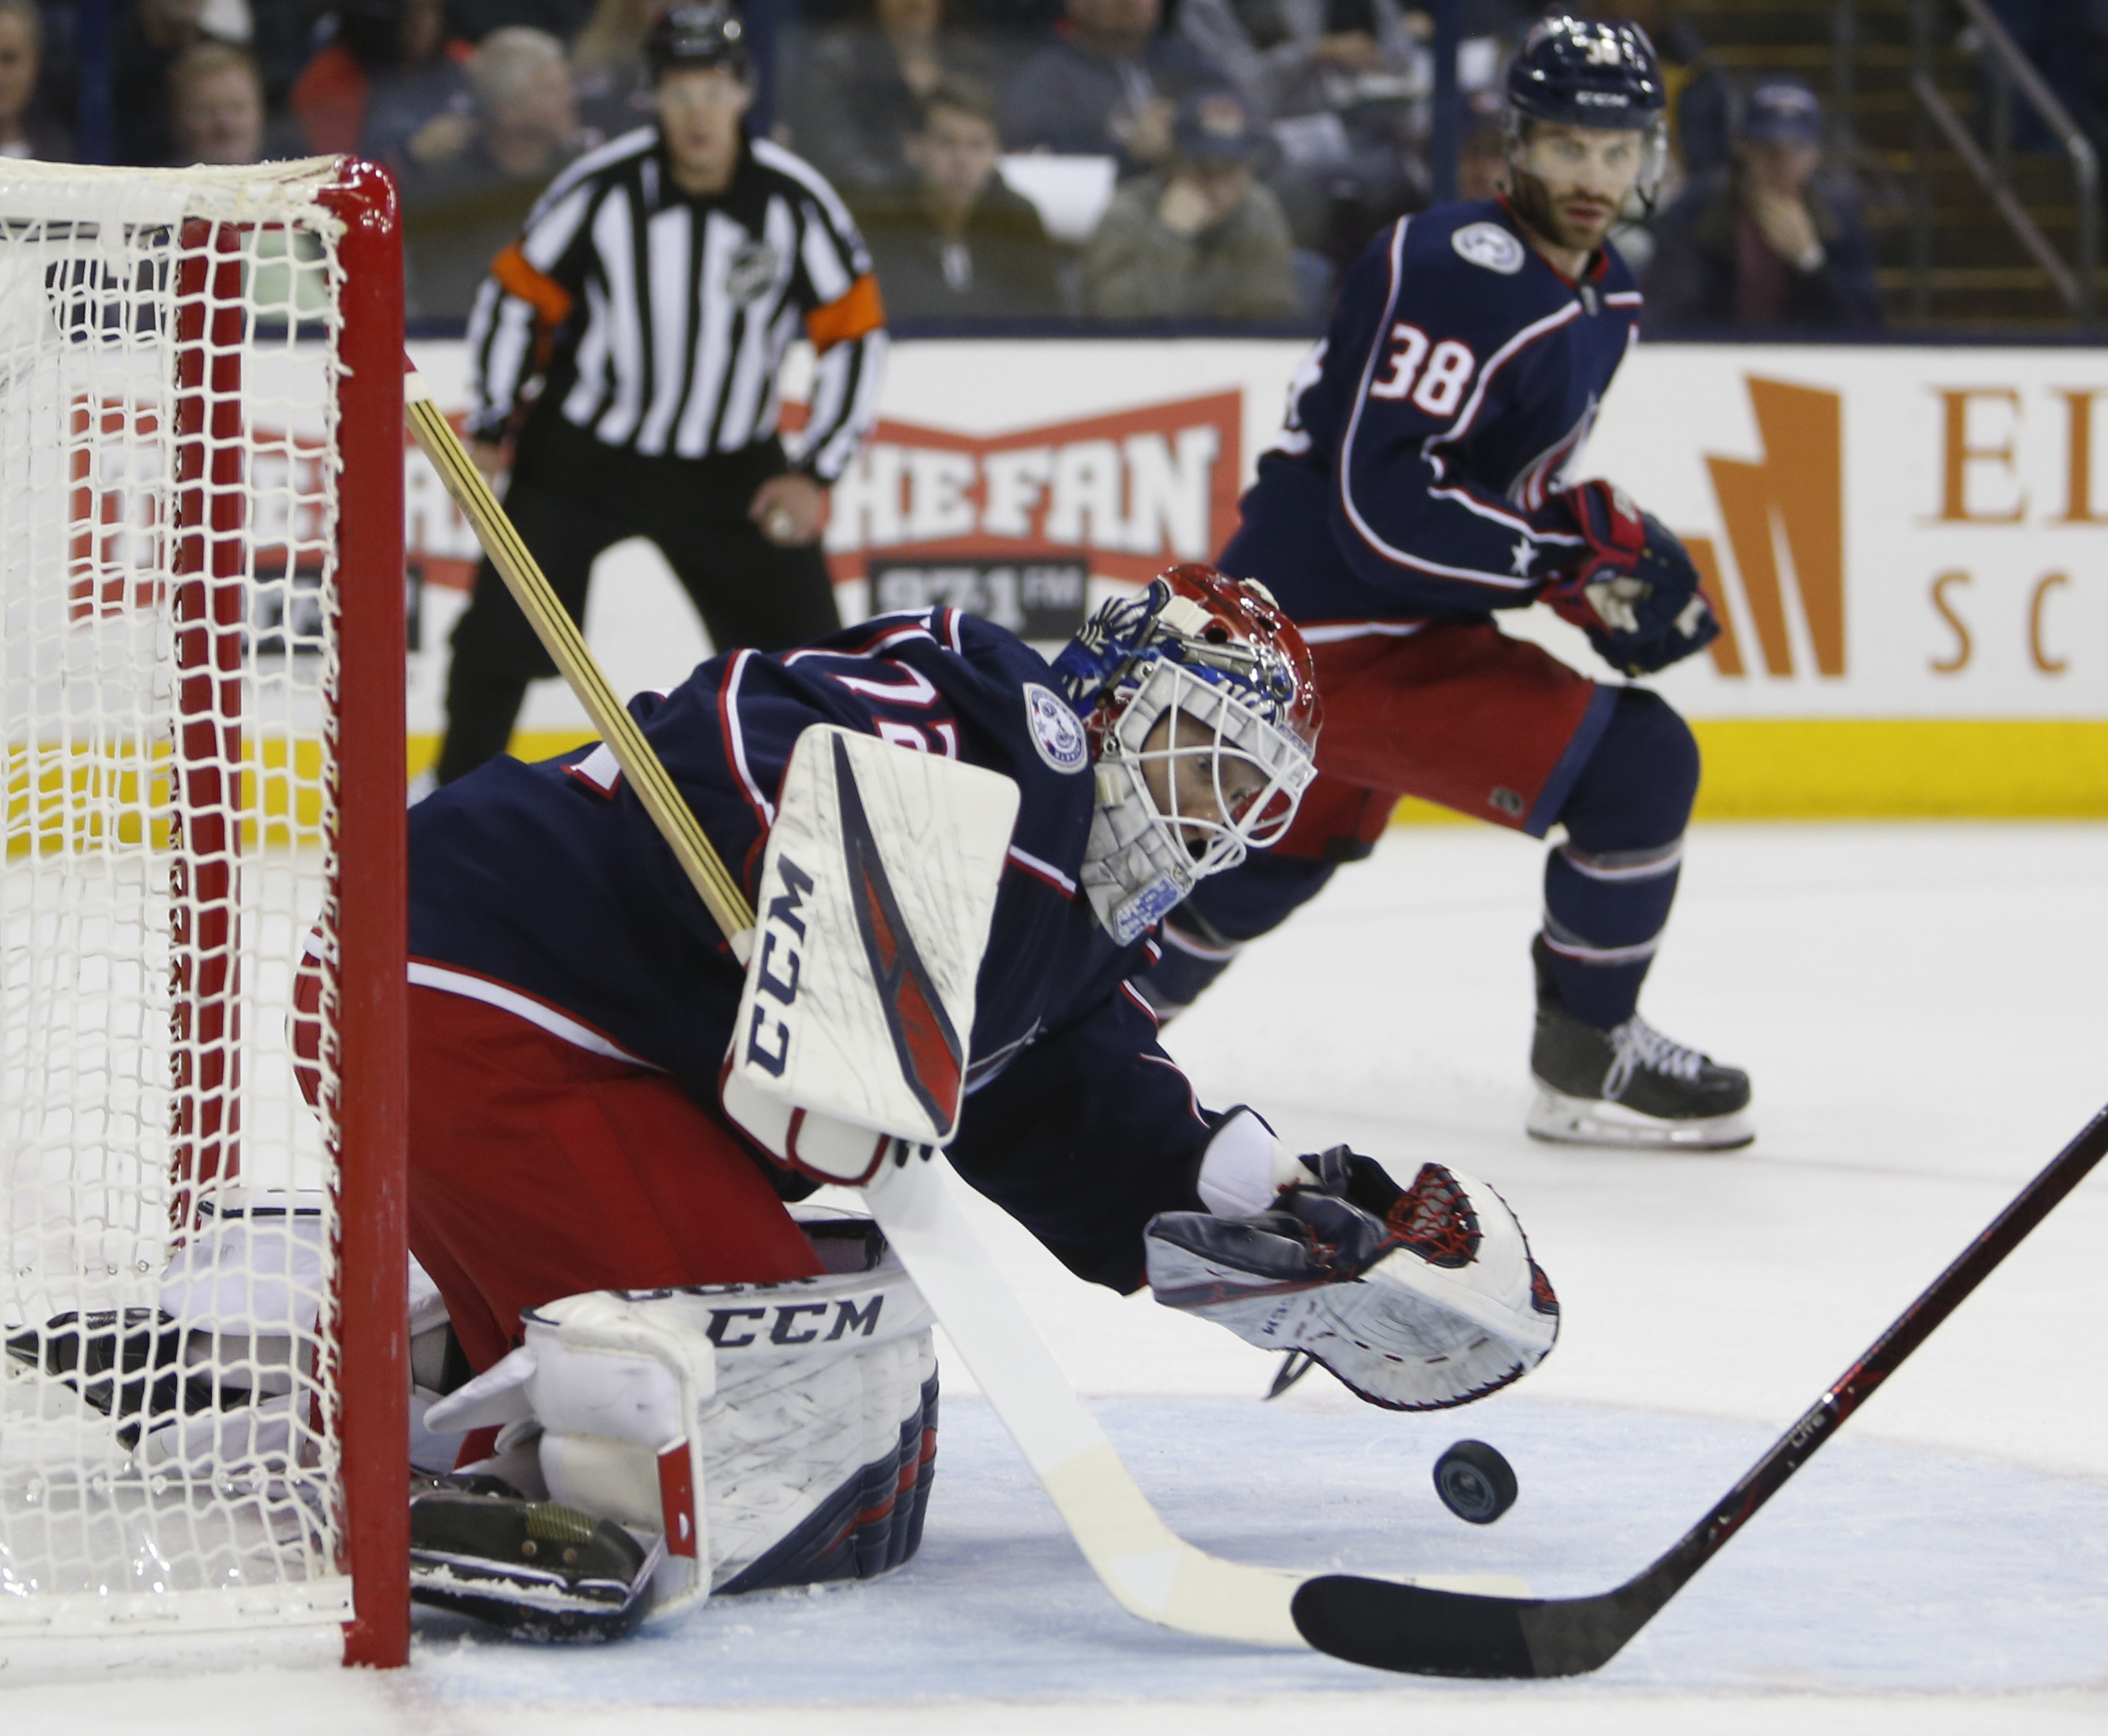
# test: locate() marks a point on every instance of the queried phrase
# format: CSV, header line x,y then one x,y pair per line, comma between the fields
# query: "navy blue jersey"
x,y
1417,474
547,889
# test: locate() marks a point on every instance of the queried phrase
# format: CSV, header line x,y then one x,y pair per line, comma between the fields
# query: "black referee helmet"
x,y
712,35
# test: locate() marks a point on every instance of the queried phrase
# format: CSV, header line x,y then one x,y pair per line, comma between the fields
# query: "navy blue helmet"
x,y
1586,72
707,35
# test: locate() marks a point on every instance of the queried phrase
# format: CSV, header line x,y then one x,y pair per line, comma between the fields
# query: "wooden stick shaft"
x,y
560,637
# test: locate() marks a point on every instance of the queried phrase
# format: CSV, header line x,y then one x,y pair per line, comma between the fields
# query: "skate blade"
x,y
548,1606
1586,1120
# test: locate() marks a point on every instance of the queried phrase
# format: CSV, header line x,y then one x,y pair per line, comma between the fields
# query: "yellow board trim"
x,y
1887,768
59,798
1808,768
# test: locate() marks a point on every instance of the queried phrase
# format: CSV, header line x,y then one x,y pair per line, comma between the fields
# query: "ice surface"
x,y
1919,1008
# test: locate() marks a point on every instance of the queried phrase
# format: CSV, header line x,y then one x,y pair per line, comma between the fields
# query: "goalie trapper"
x,y
1416,1298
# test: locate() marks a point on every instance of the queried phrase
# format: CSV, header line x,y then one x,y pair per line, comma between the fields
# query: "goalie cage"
x,y
201,667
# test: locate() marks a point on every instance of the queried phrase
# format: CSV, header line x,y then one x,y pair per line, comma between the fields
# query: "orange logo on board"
x,y
1791,498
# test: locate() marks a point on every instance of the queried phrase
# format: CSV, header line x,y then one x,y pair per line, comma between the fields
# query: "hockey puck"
x,y
1475,1483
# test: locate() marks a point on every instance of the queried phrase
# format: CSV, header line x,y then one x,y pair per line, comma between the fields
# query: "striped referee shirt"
x,y
657,320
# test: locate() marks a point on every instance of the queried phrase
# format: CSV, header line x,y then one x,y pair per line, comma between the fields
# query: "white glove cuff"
x,y
1244,1166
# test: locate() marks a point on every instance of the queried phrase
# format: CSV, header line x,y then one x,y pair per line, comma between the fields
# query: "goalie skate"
x,y
541,1570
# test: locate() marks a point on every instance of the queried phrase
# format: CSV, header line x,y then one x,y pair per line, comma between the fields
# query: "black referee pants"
x,y
570,498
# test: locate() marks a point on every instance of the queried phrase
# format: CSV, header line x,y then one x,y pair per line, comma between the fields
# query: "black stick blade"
x,y
1412,1629
1421,1631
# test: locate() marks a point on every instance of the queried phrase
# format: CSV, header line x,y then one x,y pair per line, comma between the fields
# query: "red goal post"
x,y
203,1430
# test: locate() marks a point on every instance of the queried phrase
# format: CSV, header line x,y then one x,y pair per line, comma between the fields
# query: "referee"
x,y
653,292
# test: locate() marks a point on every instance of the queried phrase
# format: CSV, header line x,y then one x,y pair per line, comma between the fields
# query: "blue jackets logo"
x,y
1057,730
1490,245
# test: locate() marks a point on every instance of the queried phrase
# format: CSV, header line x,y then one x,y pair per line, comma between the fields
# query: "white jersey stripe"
x,y
1045,869
736,738
449,981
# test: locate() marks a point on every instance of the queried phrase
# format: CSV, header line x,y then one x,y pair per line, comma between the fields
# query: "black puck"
x,y
1475,1483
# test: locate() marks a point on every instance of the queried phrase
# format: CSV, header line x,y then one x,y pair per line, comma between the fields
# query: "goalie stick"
x,y
1428,1632
1149,1570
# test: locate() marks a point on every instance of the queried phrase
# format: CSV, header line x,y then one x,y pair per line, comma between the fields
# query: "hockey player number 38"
x,y
1441,384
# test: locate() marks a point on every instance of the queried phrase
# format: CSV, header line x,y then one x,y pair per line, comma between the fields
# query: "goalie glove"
x,y
1416,1298
1634,590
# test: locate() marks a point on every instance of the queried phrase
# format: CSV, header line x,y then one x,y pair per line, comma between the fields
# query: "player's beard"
x,y
1533,203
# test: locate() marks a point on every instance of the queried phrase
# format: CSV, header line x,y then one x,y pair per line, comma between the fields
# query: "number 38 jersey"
x,y
1429,434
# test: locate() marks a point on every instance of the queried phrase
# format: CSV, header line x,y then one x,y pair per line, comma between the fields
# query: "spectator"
x,y
861,90
960,244
478,19
1110,85
1482,160
148,36
26,130
607,64
1203,239
279,36
1698,100
1760,242
1344,84
459,211
216,106
388,72
1304,56
422,111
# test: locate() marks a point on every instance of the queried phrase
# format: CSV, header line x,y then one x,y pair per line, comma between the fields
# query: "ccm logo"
x,y
729,1328
776,970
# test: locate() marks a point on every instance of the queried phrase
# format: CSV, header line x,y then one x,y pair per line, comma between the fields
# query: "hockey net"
x,y
201,769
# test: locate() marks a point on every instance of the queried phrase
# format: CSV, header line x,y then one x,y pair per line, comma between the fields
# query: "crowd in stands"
x,y
1008,159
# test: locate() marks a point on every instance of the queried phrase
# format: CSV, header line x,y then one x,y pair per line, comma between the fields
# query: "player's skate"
x,y
1629,1085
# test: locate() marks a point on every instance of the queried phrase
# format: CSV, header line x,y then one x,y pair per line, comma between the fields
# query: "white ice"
x,y
1920,1008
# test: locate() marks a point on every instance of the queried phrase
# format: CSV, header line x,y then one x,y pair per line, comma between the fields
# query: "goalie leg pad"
x,y
1417,1299
775,1434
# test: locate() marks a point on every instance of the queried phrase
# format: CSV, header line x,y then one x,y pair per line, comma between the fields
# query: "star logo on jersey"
x,y
1520,557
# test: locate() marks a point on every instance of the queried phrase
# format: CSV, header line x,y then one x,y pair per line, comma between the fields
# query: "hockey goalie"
x,y
669,1378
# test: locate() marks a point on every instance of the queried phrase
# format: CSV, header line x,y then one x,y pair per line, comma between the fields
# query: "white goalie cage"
x,y
201,734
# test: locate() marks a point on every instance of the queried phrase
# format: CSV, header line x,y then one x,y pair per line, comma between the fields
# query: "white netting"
x,y
168,360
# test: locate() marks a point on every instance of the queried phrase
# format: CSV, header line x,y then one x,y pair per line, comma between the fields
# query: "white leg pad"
x,y
740,1420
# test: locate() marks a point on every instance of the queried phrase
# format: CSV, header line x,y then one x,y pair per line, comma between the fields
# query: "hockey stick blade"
x,y
1426,1631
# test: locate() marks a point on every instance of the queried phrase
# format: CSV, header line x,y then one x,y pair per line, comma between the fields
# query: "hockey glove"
x,y
1417,1299
1634,590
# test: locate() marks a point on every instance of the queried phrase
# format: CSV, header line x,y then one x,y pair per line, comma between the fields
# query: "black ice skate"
x,y
543,1571
1629,1085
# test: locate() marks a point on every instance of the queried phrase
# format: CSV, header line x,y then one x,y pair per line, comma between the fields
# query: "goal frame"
x,y
372,898
362,1389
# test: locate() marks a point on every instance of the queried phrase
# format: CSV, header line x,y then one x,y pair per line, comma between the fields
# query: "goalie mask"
x,y
1202,709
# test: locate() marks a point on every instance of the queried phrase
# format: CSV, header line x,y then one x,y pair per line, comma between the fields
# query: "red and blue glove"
x,y
1633,590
